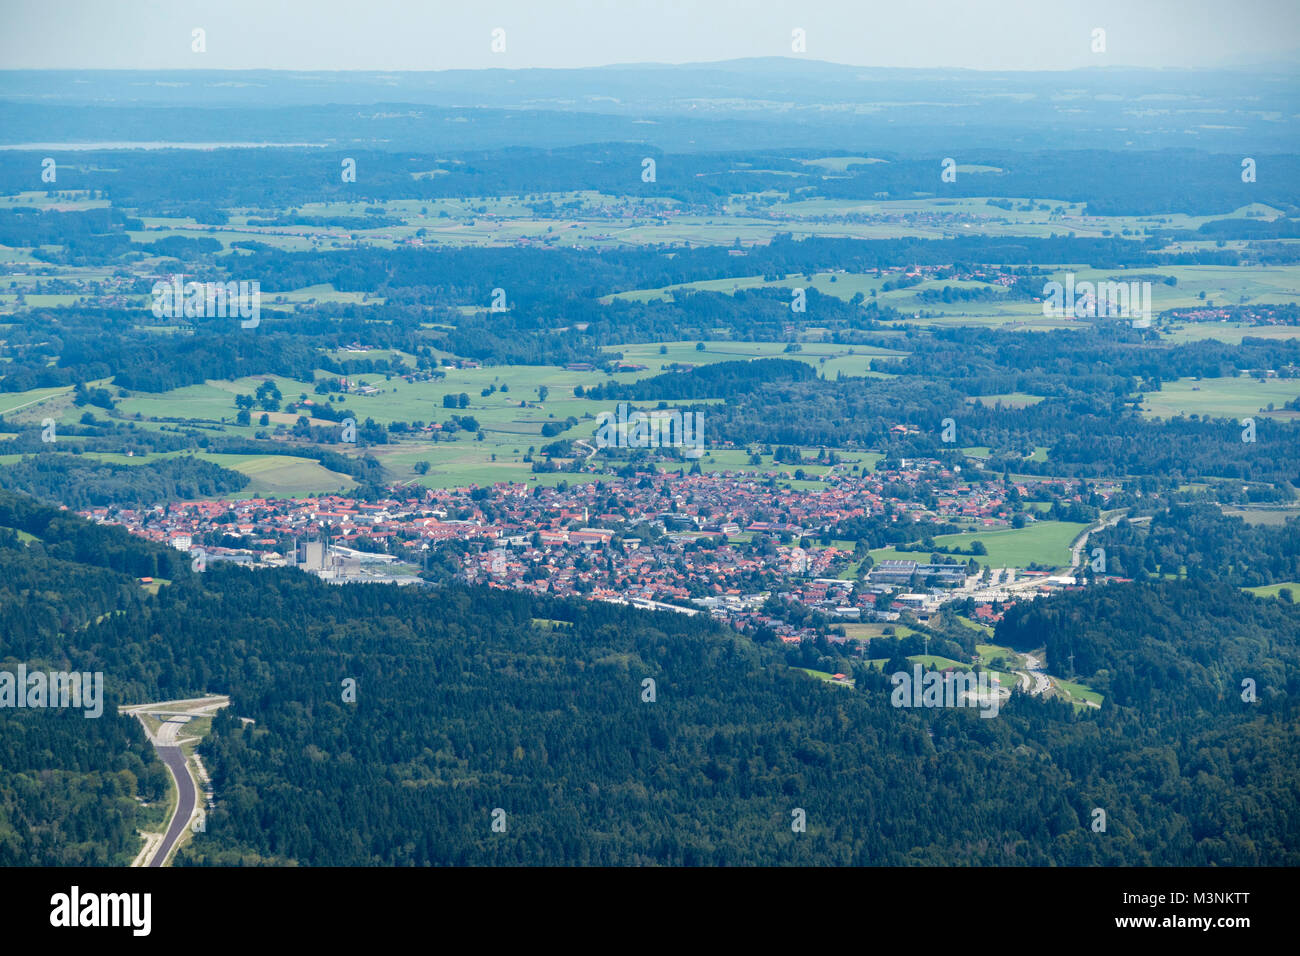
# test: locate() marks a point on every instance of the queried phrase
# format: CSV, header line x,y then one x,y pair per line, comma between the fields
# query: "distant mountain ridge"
x,y
762,102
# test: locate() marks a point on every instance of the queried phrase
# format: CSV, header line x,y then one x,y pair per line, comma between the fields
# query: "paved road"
x,y
1076,552
175,761
1033,679
177,714
1035,668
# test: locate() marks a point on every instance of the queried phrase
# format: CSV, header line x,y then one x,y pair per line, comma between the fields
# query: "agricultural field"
x,y
1014,314
1274,517
925,660
11,402
1230,333
324,294
1239,397
824,675
1076,693
1046,543
1008,399
595,220
990,652
273,476
863,632
1275,590
282,476
1196,287
829,359
738,460
63,201
511,416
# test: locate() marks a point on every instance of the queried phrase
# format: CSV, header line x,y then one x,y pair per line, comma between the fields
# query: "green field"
x,y
861,632
1045,543
1273,590
1265,516
827,677
1008,399
1076,692
16,401
1222,285
936,660
1230,333
502,220
1238,397
846,285
988,652
830,360
925,660
511,420
280,476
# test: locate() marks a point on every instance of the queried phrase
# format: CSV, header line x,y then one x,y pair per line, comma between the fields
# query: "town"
x,y
736,546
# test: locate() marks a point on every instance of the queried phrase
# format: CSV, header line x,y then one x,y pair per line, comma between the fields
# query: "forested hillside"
x,y
469,700
68,783
86,483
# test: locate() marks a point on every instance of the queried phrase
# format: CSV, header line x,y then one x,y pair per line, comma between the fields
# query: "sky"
x,y
439,35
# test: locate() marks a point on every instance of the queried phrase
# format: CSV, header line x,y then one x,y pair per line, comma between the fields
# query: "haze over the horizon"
x,y
404,35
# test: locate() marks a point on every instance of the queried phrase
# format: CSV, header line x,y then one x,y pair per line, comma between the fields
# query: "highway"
x,y
1034,670
174,715
173,757
1076,551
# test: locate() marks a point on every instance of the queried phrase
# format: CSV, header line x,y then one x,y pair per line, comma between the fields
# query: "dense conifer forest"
x,y
470,701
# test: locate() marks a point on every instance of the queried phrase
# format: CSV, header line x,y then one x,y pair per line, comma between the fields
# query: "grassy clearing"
x,y
1221,285
195,727
1076,692
862,632
990,652
925,660
1008,399
936,660
282,476
273,476
511,416
1238,397
15,401
829,359
1230,333
823,675
1275,517
1046,543
1274,590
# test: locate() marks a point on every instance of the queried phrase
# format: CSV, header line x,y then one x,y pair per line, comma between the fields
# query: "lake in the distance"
x,y
154,145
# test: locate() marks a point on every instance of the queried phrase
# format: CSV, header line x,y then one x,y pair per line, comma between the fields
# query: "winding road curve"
x,y
175,714
174,758
1034,672
1076,549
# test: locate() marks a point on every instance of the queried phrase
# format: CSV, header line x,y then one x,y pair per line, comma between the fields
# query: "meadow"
x,y
1196,287
1046,543
1239,397
1274,590
511,417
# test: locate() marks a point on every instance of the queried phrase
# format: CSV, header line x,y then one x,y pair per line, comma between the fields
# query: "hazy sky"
x,y
436,35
